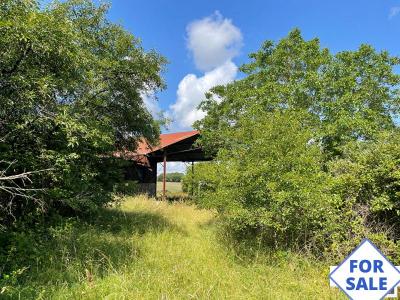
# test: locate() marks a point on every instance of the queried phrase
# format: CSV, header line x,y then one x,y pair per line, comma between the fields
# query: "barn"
x,y
177,147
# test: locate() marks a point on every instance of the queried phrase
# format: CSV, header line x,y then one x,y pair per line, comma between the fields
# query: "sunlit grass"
x,y
171,187
158,250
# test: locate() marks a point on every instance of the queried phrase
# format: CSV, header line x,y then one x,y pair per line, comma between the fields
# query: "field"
x,y
173,188
148,249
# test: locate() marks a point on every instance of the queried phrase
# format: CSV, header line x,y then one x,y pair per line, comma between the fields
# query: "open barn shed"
x,y
179,146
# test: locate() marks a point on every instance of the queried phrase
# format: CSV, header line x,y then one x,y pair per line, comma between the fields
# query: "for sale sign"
x,y
366,274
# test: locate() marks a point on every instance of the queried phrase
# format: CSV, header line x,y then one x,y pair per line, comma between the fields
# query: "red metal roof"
x,y
166,139
144,150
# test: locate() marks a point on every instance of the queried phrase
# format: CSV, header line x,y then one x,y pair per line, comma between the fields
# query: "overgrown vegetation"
x,y
307,149
307,158
71,86
149,250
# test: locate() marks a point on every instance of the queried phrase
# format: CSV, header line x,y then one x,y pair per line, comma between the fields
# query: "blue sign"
x,y
366,274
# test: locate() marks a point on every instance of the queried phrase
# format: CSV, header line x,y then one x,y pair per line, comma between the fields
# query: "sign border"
x,y
365,240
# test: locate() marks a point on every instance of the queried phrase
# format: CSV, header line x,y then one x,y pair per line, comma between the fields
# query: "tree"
x,y
351,95
281,134
71,88
171,177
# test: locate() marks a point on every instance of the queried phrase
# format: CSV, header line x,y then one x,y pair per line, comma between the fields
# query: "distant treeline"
x,y
171,177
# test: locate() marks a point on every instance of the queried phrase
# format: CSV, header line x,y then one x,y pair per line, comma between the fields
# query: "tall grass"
x,y
149,249
173,191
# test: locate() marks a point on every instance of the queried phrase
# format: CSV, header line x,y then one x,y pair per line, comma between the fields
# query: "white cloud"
x,y
213,41
191,92
394,11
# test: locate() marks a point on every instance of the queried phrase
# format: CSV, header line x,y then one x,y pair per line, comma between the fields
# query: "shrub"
x,y
201,180
127,187
367,180
271,184
306,148
71,85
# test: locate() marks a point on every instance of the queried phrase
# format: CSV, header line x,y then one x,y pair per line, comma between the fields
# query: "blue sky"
x,y
205,41
182,31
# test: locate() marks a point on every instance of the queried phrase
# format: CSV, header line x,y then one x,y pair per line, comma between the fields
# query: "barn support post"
x,y
164,174
192,192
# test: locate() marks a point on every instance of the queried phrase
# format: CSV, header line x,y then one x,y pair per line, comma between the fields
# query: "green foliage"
x,y
367,180
368,174
306,147
270,182
171,177
127,187
71,85
351,95
148,249
200,181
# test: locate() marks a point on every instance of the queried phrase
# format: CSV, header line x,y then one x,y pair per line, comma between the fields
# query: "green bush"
x,y
367,179
202,180
271,184
307,149
71,85
126,187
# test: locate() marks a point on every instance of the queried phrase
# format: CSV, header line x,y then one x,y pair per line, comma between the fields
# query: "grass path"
x,y
157,250
182,259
